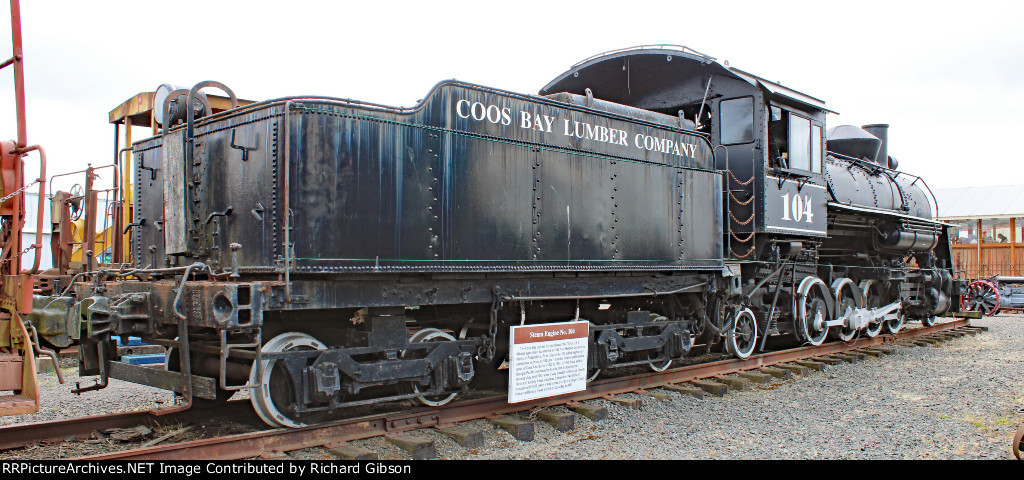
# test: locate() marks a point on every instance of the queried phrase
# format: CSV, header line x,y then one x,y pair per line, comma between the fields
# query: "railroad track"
x,y
697,380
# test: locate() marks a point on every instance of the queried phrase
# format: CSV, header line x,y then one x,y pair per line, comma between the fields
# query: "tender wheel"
x,y
874,297
846,303
592,373
743,340
981,297
424,336
275,389
658,366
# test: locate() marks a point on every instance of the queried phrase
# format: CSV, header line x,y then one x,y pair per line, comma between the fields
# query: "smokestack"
x,y
880,130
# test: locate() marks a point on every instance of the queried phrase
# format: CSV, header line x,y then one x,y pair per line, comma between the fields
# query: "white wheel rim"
x,y
732,344
894,326
260,395
423,336
668,363
872,329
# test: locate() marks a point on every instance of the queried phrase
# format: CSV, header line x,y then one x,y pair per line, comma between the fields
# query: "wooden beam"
x,y
1013,245
980,238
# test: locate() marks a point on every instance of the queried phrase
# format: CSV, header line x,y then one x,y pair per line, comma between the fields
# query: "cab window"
x,y
737,120
794,141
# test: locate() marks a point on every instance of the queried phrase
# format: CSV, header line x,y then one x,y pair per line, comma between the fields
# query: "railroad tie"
x,y
685,390
712,388
563,422
794,368
463,436
664,397
520,429
884,350
867,352
844,357
593,412
274,455
734,383
418,448
347,451
758,378
827,360
859,355
809,364
776,372
626,402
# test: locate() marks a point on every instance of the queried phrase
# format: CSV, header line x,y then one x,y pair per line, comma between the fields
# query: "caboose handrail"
x,y
667,46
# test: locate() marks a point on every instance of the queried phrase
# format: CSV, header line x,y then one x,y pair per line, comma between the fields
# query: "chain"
x,y
738,220
22,189
738,180
30,247
751,199
742,240
486,349
745,255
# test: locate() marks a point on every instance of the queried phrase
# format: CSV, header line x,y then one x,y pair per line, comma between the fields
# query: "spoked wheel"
x,y
658,366
1018,442
874,297
846,303
432,335
810,317
981,297
743,338
894,326
275,391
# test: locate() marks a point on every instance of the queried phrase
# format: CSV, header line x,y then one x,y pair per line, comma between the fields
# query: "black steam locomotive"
x,y
325,253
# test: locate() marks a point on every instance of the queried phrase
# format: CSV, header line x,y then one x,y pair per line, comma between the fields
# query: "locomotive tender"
x,y
326,253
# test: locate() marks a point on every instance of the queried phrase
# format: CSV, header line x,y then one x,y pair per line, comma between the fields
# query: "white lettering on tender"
x,y
495,114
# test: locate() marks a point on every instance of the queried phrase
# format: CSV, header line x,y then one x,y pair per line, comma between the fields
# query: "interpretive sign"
x,y
547,360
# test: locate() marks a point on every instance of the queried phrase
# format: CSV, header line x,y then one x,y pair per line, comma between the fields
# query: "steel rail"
x,y
20,435
281,440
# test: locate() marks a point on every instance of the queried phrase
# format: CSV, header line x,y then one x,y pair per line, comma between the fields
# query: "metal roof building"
x,y
990,224
972,203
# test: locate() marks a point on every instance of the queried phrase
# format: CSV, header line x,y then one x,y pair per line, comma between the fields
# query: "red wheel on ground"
x,y
981,296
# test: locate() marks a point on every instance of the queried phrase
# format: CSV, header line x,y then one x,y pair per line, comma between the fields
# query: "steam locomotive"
x,y
325,253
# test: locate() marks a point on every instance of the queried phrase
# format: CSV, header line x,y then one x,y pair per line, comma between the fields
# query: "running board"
x,y
202,387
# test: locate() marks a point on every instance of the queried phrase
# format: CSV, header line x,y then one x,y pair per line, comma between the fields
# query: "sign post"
x,y
547,360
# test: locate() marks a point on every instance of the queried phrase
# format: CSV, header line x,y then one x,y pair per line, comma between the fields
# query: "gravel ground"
x,y
58,402
957,401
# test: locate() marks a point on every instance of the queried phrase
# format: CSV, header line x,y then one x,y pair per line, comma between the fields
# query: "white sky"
x,y
946,76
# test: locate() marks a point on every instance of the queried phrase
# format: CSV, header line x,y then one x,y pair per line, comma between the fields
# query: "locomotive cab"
x,y
809,239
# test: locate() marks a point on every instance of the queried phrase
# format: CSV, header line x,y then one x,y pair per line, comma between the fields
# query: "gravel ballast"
x,y
955,401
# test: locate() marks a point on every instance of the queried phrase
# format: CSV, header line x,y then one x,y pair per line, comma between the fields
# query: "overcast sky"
x,y
946,76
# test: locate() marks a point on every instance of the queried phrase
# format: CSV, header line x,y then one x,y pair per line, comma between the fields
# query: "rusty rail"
x,y
253,444
20,435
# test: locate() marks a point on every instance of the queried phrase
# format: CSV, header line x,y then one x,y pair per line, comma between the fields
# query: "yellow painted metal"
x,y
102,239
126,191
